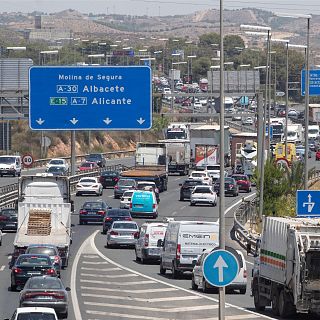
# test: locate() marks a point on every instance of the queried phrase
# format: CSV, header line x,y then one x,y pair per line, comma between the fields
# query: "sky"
x,y
157,7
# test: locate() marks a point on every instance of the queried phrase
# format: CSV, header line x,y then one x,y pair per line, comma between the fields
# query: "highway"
x,y
110,284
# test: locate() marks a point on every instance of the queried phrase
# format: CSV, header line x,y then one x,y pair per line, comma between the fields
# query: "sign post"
x,y
90,98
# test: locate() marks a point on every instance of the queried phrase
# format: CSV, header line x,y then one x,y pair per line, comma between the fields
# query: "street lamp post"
x,y
307,70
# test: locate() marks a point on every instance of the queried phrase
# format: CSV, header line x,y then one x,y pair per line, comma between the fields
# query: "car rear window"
x,y
42,250
36,316
109,174
192,183
240,178
8,212
124,226
198,174
126,182
118,214
88,180
93,205
44,283
30,260
202,190
127,194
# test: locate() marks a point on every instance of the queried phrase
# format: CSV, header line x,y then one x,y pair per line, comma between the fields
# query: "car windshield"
x,y
124,226
118,213
88,181
44,283
36,316
42,250
93,205
56,169
56,161
7,160
126,183
87,164
202,190
313,131
128,194
33,260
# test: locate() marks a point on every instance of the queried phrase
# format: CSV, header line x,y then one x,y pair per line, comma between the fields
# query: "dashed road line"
x,y
94,262
2,268
101,270
137,291
132,283
183,207
127,275
123,315
174,213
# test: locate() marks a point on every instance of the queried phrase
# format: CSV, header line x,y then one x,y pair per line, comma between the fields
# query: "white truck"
x,y
295,133
44,214
178,154
313,131
286,272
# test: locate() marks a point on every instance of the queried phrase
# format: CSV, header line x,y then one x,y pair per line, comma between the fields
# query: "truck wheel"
x,y
162,269
275,302
256,298
193,284
286,307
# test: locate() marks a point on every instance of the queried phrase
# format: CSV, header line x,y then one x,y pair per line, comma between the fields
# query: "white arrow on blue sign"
x,y
220,268
90,98
308,203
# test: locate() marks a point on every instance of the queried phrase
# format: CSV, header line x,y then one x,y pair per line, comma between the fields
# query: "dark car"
x,y
92,211
57,171
98,158
44,291
8,219
30,265
230,186
243,182
123,185
187,187
114,215
50,250
109,178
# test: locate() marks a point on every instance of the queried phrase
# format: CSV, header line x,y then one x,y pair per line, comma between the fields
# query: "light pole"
x,y
190,67
307,70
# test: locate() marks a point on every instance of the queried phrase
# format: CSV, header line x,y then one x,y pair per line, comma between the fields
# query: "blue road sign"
x,y
90,98
314,82
220,268
271,131
308,203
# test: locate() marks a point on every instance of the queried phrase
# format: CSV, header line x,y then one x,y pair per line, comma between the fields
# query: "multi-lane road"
x,y
110,284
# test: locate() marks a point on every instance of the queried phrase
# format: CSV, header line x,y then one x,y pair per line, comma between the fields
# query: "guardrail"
x,y
239,127
9,193
247,214
80,158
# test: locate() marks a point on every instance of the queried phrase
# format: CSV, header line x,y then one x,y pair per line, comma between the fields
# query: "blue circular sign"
x,y
220,268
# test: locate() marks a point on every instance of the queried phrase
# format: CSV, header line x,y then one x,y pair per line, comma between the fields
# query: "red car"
x,y
88,166
317,155
243,182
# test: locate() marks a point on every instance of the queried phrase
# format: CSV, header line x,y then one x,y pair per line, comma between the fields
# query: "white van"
x,y
10,165
184,242
146,246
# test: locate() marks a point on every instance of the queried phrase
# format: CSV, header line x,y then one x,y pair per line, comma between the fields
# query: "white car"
x,y
89,185
203,194
239,283
31,313
58,162
197,105
215,174
203,175
126,199
247,121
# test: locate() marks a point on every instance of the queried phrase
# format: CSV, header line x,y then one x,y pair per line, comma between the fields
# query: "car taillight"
x,y
116,179
128,218
154,206
178,253
83,212
108,219
146,240
130,205
3,218
156,190
136,235
116,187
245,273
230,185
16,270
51,272
101,212
114,233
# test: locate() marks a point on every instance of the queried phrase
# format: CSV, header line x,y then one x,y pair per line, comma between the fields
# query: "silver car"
x,y
122,233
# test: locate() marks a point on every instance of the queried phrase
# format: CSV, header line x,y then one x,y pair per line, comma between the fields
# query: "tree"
x,y
200,67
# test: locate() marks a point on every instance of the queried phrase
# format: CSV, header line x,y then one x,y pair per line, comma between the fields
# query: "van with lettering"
x,y
184,242
144,204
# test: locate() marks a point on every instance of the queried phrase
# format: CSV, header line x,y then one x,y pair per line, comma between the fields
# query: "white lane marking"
x,y
2,268
182,207
123,315
140,299
235,317
98,269
168,284
4,234
108,275
169,310
250,263
110,196
132,283
94,262
156,290
174,213
176,179
91,256
9,257
74,298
